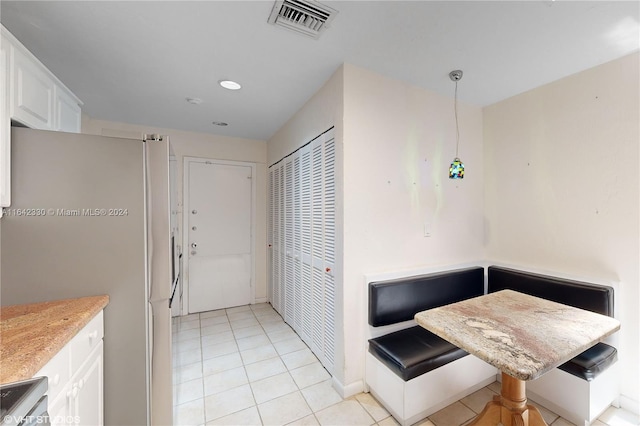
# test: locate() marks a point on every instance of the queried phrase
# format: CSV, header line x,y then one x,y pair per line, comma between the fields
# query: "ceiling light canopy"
x,y
230,84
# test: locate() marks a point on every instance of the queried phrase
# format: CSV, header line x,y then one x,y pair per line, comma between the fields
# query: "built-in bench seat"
x,y
413,351
411,371
582,388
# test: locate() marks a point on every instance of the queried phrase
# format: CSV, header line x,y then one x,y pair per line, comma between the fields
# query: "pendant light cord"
x,y
455,112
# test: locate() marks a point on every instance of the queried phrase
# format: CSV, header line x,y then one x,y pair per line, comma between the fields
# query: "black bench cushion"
x,y
413,351
399,300
591,362
591,297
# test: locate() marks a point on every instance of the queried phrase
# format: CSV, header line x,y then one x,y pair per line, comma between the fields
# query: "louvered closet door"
x,y
329,250
317,243
283,257
323,248
276,283
297,241
303,209
306,275
270,218
289,274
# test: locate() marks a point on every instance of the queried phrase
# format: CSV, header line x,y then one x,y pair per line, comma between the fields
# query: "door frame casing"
x,y
185,224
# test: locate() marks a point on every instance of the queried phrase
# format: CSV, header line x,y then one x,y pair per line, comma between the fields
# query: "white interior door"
x,y
219,235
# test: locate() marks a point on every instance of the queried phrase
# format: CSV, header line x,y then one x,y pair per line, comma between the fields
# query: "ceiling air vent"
x,y
306,17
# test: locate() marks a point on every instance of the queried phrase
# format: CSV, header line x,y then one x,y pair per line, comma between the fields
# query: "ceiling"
x,y
137,62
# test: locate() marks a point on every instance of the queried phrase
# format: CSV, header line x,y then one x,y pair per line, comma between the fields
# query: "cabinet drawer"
x,y
58,370
85,341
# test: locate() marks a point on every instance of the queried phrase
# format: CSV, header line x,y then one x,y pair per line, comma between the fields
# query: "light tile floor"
x,y
246,366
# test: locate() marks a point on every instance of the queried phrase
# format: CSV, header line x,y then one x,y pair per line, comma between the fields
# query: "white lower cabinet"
x,y
58,409
76,374
87,408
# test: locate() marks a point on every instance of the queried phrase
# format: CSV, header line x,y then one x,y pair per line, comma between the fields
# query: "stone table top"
x,y
31,334
522,335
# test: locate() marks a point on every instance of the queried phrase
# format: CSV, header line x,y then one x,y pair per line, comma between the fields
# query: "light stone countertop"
x,y
521,335
31,334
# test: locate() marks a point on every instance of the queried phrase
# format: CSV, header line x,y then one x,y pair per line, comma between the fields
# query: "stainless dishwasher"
x,y
24,403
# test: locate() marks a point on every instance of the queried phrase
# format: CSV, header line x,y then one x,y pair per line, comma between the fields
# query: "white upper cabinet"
x,y
32,88
31,96
5,127
37,99
67,111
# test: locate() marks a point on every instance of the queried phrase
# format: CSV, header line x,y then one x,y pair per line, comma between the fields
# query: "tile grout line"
x,y
244,366
204,405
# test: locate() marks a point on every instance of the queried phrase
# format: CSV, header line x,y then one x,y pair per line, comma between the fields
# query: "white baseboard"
x,y
260,300
348,390
630,405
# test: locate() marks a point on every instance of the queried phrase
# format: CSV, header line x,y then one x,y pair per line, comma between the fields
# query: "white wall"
x,y
322,111
193,144
398,143
562,190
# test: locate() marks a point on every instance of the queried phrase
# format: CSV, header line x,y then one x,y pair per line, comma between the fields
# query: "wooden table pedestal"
x,y
510,408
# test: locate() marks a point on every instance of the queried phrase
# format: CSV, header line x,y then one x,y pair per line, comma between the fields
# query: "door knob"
x,y
194,211
193,228
194,245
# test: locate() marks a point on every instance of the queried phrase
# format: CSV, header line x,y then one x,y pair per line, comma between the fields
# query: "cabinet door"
x,y
88,405
58,408
32,93
5,131
67,112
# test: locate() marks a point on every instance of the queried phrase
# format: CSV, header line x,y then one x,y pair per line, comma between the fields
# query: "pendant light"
x,y
456,170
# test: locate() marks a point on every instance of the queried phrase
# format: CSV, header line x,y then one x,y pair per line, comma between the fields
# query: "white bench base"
x,y
422,396
575,399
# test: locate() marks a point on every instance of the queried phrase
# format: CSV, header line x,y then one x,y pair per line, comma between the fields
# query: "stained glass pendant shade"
x,y
456,170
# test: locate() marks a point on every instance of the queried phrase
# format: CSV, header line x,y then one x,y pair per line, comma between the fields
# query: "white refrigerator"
x,y
103,227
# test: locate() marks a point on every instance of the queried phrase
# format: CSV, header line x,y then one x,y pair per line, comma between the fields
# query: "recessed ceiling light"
x,y
220,123
228,84
194,101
